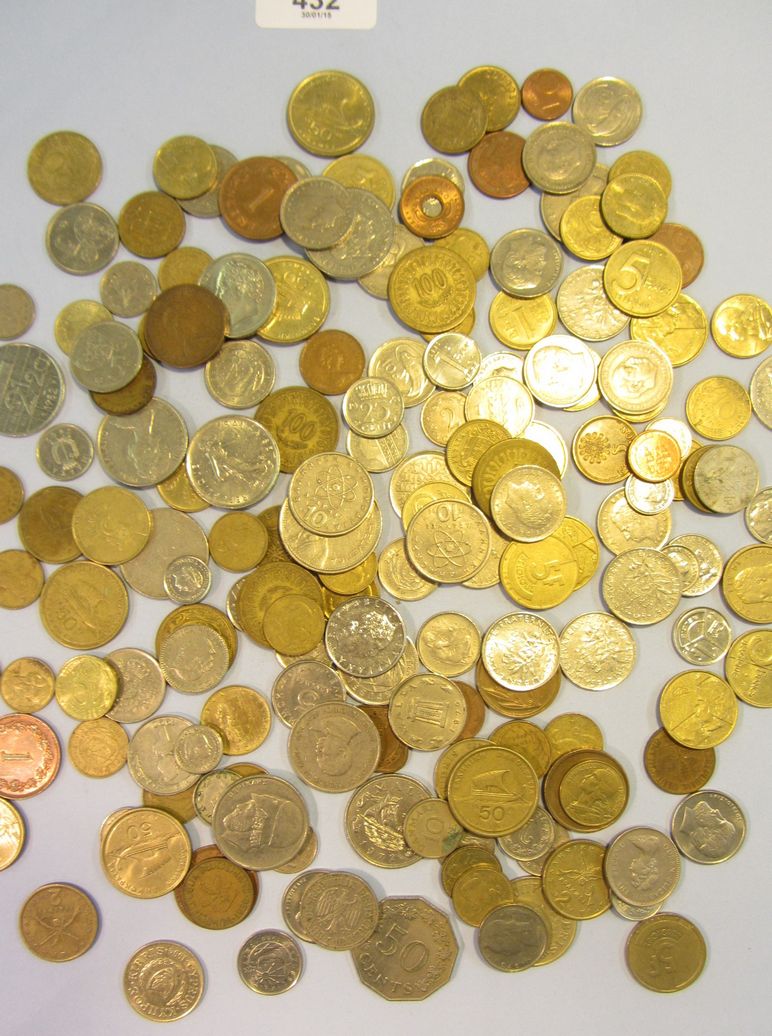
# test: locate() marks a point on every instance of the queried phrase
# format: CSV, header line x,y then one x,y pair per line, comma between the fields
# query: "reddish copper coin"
x,y
495,165
331,361
547,94
186,326
685,246
29,756
251,194
394,753
132,397
431,206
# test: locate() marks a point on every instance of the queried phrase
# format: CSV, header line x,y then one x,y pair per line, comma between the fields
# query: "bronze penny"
x,y
29,756
547,94
685,246
394,753
675,768
495,165
331,361
186,326
251,194
431,206
132,397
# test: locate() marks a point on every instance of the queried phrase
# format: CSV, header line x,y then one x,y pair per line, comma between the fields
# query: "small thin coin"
x,y
708,827
512,938
163,981
270,962
64,452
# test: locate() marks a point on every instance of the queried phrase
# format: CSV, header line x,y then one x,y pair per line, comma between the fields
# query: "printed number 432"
x,y
317,5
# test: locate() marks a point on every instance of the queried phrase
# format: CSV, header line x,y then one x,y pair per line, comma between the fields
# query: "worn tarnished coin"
x,y
194,658
82,238
366,244
84,605
665,953
58,922
375,819
708,827
173,534
151,759
419,960
339,910
675,768
245,286
365,636
141,686
64,167
232,461
642,866
143,448
270,962
512,938
260,822
127,289
334,747
31,389
163,981
64,452
241,374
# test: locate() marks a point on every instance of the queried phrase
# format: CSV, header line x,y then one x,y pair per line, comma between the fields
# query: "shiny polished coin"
x,y
301,421
448,541
86,687
633,204
452,360
270,962
698,709
58,922
12,836
745,583
641,586
187,580
541,574
302,301
240,715
365,636
330,113
132,838
431,207
584,308
761,392
597,651
330,494
681,330
432,289
141,685
521,322
647,294
708,827
599,449
375,819
665,953
448,643
163,981
29,756
758,516
742,325
702,636
748,668
27,685
520,651
232,461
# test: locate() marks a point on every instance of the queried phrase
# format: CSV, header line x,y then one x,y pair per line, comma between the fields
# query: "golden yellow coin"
x,y
45,524
654,456
492,791
718,408
642,278
97,747
680,331
58,922
448,541
302,301
238,542
302,422
742,325
353,580
365,172
747,583
111,525
241,717
498,91
573,880
698,709
453,120
27,685
84,605
431,830
593,793
293,624
477,892
151,224
136,835
432,289
527,740
430,493
177,492
448,643
633,205
21,579
86,687
330,113
520,323
584,232
184,167
427,712
748,667
399,577
645,163
182,266
665,953
502,457
64,168
11,494
467,445
539,575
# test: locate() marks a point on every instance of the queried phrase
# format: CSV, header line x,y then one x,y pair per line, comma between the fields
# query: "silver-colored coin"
x,y
233,461
198,748
64,452
642,866
150,756
260,822
187,580
106,356
433,167
31,389
758,516
141,685
633,913
708,827
526,263
128,288
144,448
241,374
82,238
246,288
316,212
649,497
365,636
303,685
702,636
559,157
270,962
365,245
609,109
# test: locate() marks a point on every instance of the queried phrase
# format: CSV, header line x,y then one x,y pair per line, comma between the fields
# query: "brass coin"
x,y
59,922
179,973
151,224
349,119
84,605
64,167
651,958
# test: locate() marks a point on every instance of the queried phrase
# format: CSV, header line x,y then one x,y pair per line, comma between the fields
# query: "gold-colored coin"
x,y
182,986
599,449
561,931
642,278
84,605
182,266
45,524
498,92
748,668
597,651
478,892
539,575
680,331
151,224
552,206
472,247
194,658
399,577
430,493
86,687
481,791
11,494
12,834
645,163
27,685
441,415
448,643
574,533
293,624
364,172
467,445
330,113
593,791
184,167
572,732
698,709
432,289
17,311
641,586
129,840
585,233
76,317
746,582
238,542
64,167
240,715
431,830
718,408
302,301
654,456
21,579
609,109
302,422
58,922
665,953
521,322
111,525
633,204
207,205
573,880
527,740
453,120
463,532
528,503
742,325
97,747
427,712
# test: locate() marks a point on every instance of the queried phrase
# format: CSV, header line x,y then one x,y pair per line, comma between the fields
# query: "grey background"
x,y
130,75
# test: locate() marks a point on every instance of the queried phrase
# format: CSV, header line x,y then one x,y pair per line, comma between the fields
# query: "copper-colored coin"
x,y
394,753
495,165
132,397
685,246
251,194
186,326
331,361
29,756
547,94
475,710
675,768
431,206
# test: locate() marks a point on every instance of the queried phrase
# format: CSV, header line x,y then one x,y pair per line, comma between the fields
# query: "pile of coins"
x,y
487,506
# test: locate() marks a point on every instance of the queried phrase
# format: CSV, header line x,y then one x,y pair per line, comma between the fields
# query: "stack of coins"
x,y
488,506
